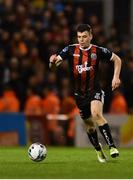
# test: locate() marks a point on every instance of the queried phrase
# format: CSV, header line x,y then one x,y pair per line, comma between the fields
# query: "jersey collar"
x,y
86,49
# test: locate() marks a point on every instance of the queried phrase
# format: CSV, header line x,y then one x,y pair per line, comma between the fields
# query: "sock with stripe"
x,y
94,140
106,133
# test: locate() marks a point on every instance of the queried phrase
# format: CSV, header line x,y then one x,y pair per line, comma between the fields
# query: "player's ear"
x,y
91,36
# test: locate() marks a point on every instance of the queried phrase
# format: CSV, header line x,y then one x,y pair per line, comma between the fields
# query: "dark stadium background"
x,y
36,103
30,31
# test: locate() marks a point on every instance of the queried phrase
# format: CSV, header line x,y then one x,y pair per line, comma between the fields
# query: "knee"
x,y
98,118
89,122
90,129
90,125
96,115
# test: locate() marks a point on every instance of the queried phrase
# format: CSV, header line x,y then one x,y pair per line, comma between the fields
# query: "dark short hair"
x,y
84,27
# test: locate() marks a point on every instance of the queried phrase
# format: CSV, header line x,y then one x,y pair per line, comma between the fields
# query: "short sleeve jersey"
x,y
83,66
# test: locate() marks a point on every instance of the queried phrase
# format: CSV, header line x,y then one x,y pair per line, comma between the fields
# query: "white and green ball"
x,y
37,152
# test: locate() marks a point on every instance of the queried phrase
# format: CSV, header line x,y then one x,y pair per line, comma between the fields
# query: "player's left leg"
x,y
97,115
92,132
92,135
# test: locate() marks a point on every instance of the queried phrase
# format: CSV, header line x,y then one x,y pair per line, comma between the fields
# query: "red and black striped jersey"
x,y
83,66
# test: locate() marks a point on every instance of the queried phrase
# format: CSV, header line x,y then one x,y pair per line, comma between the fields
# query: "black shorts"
x,y
83,102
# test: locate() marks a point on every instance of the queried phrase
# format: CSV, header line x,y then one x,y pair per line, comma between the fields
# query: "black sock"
x,y
105,131
94,140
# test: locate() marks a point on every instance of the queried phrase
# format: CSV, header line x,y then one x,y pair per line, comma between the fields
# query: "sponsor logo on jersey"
x,y
84,67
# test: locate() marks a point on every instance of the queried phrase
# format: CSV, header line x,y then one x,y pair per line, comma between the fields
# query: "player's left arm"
x,y
117,68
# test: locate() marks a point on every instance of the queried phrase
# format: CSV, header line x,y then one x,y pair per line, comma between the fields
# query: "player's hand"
x,y
52,61
115,83
53,58
55,61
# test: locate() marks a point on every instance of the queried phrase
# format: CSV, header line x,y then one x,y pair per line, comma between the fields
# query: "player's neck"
x,y
86,48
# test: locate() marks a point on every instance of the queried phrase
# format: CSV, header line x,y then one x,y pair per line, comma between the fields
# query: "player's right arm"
x,y
55,60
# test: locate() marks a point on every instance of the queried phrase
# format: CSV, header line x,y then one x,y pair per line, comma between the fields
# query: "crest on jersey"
x,y
93,56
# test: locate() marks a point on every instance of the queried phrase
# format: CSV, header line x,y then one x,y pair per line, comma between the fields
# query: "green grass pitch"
x,y
64,163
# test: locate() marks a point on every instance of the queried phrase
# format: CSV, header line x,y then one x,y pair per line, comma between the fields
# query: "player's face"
x,y
84,39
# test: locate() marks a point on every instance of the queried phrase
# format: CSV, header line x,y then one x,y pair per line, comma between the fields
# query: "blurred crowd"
x,y
32,30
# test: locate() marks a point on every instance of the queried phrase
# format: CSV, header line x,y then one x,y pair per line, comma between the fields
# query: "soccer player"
x,y
83,59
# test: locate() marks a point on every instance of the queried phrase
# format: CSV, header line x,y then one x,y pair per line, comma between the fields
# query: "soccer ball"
x,y
37,152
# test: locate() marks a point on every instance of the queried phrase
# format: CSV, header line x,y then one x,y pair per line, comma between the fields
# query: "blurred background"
x,y
36,104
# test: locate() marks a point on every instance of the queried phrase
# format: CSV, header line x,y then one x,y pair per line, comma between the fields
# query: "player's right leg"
x,y
101,155
92,135
85,113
